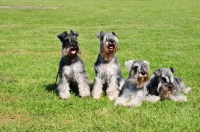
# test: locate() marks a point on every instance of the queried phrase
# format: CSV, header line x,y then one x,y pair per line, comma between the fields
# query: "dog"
x,y
107,68
134,90
165,85
73,75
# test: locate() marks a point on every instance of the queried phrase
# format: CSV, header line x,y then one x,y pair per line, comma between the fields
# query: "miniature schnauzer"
x,y
167,86
134,90
72,69
107,68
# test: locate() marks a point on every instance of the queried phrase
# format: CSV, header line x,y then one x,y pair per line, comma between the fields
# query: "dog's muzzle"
x,y
74,48
170,88
111,47
143,74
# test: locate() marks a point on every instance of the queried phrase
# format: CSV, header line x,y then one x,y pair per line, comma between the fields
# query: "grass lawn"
x,y
166,33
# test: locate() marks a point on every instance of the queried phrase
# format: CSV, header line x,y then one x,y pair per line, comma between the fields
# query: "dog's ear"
x,y
158,72
75,34
98,35
146,62
172,69
62,36
129,64
114,34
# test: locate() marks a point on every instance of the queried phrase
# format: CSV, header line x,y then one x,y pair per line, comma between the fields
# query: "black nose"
x,y
111,40
143,73
73,45
170,86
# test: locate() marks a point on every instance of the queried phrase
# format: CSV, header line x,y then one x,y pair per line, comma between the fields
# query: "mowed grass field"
x,y
165,33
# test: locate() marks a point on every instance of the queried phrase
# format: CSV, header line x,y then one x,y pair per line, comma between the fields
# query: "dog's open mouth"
x,y
73,51
169,91
111,47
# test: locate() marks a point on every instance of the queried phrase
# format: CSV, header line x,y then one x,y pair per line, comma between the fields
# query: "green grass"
x,y
166,33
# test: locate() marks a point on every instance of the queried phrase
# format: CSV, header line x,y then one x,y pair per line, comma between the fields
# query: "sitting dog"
x,y
72,69
134,90
107,67
166,86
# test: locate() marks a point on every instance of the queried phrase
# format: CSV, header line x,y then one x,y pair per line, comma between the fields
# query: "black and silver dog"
x,y
134,90
165,85
72,69
107,67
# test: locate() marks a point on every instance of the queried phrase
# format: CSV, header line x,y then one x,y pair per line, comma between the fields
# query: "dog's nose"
x,y
143,73
170,86
111,40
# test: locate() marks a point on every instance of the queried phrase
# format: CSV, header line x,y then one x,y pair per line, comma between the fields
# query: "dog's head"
x,y
139,71
166,85
108,44
70,46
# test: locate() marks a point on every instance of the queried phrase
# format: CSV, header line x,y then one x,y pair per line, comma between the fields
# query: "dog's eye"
x,y
163,79
67,40
135,68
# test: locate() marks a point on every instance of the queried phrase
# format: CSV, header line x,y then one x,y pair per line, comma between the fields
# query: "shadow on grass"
x,y
73,88
52,88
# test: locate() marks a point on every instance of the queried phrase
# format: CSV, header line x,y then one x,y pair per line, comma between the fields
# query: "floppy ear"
x,y
129,64
74,33
158,72
98,35
114,34
62,36
172,69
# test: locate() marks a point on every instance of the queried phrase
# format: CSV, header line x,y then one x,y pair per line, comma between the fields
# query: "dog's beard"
x,y
108,51
165,93
141,80
70,52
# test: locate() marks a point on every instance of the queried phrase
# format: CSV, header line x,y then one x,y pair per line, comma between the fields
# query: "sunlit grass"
x,y
165,33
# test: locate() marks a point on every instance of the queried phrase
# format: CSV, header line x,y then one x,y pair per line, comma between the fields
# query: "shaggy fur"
x,y
166,86
72,69
134,90
107,67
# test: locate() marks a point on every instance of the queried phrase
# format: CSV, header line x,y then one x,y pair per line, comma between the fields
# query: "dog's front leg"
x,y
113,88
84,89
137,99
97,88
152,98
63,88
180,98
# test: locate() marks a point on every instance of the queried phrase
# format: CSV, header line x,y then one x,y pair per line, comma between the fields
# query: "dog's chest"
x,y
72,70
108,68
133,91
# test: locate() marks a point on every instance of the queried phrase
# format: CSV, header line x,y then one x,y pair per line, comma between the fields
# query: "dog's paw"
x,y
64,94
96,96
120,101
152,98
85,93
113,95
181,98
187,90
134,103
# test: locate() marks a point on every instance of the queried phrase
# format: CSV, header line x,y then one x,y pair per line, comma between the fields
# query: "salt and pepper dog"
x,y
72,69
134,89
165,85
107,67
137,87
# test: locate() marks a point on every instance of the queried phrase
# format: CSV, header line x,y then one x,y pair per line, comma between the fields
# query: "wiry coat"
x,y
107,68
72,69
166,86
134,90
